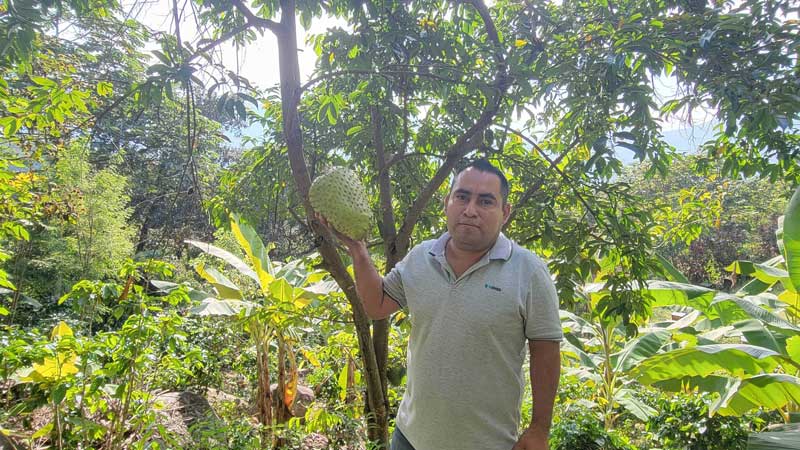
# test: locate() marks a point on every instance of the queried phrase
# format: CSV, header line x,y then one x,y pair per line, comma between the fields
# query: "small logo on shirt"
x,y
494,288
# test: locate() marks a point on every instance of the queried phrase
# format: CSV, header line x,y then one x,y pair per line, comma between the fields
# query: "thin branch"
x,y
467,141
256,21
568,181
491,30
399,157
386,72
220,40
528,194
388,230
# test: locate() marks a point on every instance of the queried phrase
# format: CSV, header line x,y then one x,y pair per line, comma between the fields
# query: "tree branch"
x,y
254,20
386,72
536,186
465,143
220,40
569,181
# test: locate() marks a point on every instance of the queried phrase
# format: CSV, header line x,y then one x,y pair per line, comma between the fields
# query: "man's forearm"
x,y
545,372
369,284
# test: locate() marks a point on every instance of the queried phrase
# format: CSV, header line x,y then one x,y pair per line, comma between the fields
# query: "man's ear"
x,y
446,201
506,212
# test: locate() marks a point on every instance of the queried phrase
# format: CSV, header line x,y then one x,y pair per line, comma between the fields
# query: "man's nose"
x,y
471,209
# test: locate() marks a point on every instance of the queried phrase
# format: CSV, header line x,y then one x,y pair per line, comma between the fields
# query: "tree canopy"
x,y
554,93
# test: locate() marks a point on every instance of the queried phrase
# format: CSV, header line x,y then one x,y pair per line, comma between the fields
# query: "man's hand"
x,y
532,439
351,244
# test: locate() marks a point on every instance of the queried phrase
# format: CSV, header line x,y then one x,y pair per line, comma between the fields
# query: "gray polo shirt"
x,y
468,342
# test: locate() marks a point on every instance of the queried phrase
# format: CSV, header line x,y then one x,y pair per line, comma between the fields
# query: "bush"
x,y
682,423
580,429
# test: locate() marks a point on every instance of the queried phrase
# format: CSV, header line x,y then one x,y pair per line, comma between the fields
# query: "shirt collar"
x,y
500,250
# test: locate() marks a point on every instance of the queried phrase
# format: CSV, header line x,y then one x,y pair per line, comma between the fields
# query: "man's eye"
x,y
461,197
487,202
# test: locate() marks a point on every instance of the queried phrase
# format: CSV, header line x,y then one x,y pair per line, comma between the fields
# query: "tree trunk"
x,y
263,393
290,99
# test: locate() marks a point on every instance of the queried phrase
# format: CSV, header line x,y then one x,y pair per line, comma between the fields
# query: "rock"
x,y
305,396
314,441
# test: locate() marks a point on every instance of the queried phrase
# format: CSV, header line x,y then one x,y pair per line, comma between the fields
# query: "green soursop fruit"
x,y
341,198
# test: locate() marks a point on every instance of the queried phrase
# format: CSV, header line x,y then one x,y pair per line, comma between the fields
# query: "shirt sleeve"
x,y
393,282
542,321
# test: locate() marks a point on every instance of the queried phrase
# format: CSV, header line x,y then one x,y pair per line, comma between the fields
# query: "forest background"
x,y
163,283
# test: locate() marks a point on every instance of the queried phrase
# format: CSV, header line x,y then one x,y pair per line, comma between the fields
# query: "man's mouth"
x,y
469,225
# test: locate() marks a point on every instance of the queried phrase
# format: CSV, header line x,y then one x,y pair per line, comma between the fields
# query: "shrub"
x,y
580,429
682,423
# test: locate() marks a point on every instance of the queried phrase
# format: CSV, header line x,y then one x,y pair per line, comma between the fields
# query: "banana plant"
x,y
744,346
271,313
605,357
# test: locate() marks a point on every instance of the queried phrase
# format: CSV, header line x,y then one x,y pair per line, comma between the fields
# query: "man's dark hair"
x,y
485,166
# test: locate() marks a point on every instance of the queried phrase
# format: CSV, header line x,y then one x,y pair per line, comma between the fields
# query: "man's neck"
x,y
460,260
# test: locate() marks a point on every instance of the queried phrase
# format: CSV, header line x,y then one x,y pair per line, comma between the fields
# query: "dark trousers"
x,y
399,442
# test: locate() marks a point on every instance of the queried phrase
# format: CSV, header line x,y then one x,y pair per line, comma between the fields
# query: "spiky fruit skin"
x,y
341,198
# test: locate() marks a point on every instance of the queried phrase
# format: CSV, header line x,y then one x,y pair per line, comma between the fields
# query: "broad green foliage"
x,y
606,358
683,423
273,315
762,370
99,387
584,431
21,22
704,221
791,243
554,93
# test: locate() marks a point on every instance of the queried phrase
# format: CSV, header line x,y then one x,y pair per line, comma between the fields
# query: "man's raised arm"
x,y
369,283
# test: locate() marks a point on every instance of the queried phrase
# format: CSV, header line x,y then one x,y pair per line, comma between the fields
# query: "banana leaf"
x,y
769,391
738,360
791,241
774,440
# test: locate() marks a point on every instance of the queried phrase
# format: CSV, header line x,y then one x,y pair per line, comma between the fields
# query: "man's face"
x,y
475,210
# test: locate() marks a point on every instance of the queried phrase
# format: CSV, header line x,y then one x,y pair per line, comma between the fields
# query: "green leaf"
x,y
42,432
4,311
757,334
162,57
639,349
354,130
60,330
41,81
168,286
670,293
636,407
226,256
225,287
342,383
774,440
570,350
730,308
59,393
763,272
791,241
281,290
769,391
105,89
214,307
793,348
673,273
576,324
755,286
735,359
256,252
710,383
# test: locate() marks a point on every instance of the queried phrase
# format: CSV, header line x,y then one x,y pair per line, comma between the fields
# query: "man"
x,y
474,298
